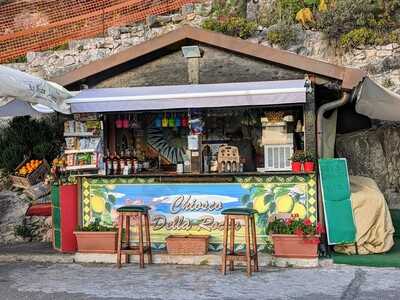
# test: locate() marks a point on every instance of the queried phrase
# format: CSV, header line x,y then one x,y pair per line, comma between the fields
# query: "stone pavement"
x,y
75,281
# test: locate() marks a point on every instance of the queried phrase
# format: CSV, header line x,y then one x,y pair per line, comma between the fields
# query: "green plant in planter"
x,y
309,157
298,156
97,227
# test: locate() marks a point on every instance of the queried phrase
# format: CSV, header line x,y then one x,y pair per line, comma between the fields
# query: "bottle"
x,y
121,162
108,163
115,164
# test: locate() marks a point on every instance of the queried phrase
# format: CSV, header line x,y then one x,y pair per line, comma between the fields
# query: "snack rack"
x,y
83,140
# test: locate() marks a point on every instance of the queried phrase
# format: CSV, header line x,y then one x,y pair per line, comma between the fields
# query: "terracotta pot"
x,y
296,166
309,166
96,242
294,246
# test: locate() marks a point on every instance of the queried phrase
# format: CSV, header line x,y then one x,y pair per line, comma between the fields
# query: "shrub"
x,y
365,36
234,26
283,11
360,37
348,15
27,137
282,35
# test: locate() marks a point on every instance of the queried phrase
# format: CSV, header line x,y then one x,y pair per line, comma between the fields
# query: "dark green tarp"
x,y
336,196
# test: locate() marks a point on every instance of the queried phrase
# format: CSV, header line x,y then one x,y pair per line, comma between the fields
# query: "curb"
x,y
41,258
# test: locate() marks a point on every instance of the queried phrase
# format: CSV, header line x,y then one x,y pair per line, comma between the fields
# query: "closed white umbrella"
x,y
378,102
21,92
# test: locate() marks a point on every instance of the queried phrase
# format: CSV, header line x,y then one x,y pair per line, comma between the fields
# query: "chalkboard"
x,y
336,196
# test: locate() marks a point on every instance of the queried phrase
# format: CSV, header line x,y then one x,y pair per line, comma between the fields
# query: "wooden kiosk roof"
x,y
349,77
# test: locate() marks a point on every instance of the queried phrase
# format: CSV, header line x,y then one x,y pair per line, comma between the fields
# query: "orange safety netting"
x,y
34,25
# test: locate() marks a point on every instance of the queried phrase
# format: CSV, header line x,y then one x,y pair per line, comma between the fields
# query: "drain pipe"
x,y
324,248
320,115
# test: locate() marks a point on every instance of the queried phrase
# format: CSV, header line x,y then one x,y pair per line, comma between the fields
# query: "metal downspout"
x,y
320,147
320,115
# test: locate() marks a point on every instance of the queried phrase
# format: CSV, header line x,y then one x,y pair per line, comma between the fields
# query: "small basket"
x,y
187,244
35,177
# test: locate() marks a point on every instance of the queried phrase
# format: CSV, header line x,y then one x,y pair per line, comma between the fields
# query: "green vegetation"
x,y
96,227
282,35
19,59
27,137
353,23
234,26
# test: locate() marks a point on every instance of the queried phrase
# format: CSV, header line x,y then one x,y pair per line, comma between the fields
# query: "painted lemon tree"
x,y
269,198
102,201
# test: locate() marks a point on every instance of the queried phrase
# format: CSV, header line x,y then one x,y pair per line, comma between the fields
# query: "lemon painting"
x,y
275,197
195,208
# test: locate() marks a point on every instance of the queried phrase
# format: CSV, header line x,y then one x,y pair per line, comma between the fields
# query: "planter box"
x,y
293,246
187,244
96,242
31,179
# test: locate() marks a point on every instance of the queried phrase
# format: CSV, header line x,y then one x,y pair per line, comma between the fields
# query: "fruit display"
x,y
29,167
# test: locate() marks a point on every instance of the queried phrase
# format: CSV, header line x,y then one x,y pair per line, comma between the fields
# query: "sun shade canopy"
x,y
189,96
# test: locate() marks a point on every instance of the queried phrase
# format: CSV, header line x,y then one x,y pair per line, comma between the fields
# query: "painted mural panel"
x,y
195,208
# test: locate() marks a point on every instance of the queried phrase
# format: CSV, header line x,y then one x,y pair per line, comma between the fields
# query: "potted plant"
x,y
294,237
309,164
96,238
297,161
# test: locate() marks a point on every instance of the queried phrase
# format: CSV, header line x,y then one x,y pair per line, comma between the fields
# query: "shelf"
x,y
84,167
79,151
79,134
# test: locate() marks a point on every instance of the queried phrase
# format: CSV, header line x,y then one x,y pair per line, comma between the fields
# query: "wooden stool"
x,y
126,212
246,214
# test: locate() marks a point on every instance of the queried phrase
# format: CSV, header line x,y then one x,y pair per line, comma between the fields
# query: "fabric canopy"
x,y
189,96
22,87
16,108
377,102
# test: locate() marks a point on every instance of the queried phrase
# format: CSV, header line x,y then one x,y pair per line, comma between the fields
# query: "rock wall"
x,y
13,207
375,153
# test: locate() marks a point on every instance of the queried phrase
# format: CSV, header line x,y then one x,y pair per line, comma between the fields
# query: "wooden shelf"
x,y
79,151
79,134
78,168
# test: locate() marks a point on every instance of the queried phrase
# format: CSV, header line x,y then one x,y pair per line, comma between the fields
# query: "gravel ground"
x,y
75,281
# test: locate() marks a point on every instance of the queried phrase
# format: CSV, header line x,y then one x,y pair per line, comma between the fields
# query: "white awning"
x,y
189,96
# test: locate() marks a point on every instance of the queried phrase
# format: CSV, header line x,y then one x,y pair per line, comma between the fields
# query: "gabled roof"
x,y
350,77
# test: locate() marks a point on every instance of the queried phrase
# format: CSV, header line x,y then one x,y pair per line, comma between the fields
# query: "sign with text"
x,y
195,208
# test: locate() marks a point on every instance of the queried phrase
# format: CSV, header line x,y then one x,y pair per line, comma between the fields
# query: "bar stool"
x,y
246,214
141,212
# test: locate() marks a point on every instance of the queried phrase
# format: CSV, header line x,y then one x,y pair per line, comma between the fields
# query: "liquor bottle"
x,y
121,163
108,163
115,164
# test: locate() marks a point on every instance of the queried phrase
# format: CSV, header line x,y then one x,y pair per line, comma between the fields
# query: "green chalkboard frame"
x,y
336,199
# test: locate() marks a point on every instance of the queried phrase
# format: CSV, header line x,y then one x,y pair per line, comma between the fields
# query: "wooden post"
x,y
232,243
310,138
225,241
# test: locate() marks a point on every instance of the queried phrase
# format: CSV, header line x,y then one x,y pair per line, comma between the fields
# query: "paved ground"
x,y
74,281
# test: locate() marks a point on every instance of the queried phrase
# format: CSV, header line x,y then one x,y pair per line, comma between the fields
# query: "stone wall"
x,y
216,66
375,153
